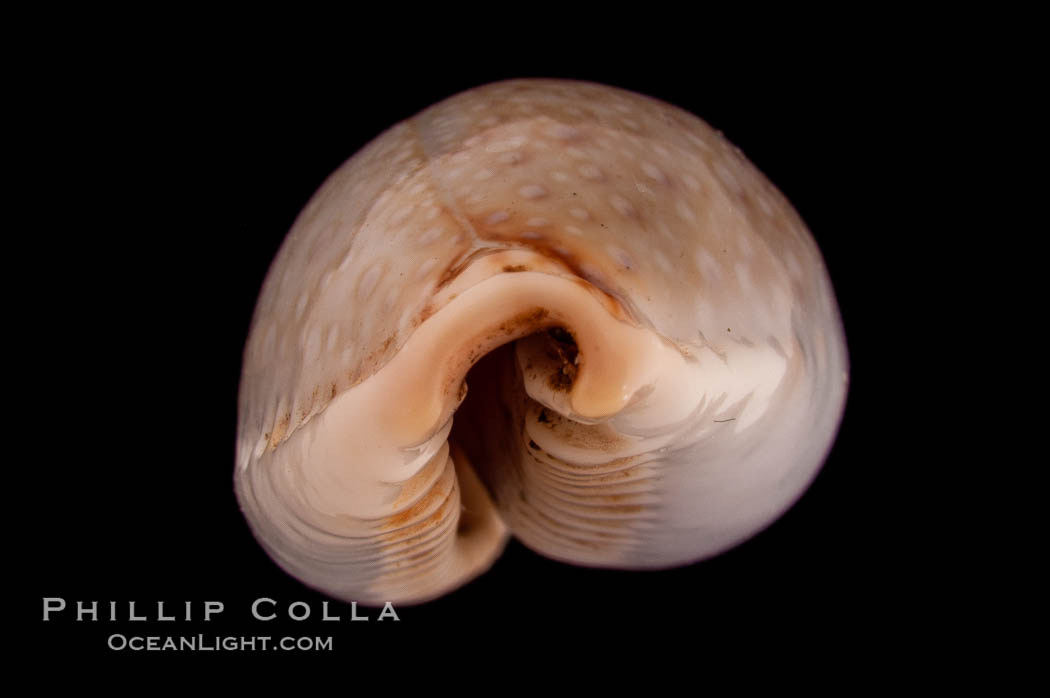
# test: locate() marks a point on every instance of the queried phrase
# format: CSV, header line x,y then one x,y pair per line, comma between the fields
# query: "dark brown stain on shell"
x,y
561,346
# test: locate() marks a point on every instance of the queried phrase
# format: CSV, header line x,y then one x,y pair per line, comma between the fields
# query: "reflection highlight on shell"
x,y
655,361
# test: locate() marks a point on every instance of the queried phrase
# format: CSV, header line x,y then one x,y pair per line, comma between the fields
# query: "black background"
x,y
166,181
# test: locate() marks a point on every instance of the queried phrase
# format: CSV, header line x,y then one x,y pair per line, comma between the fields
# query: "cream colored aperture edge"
x,y
688,396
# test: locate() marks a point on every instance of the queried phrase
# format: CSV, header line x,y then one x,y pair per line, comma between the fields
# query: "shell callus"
x,y
548,309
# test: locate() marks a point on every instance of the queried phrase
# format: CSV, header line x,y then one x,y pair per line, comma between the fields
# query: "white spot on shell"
x,y
697,141
780,306
260,447
368,282
269,339
709,267
767,208
563,132
620,256
312,344
333,339
405,322
622,205
391,297
401,215
726,177
347,261
497,217
661,151
300,306
653,172
743,276
424,268
663,262
532,191
747,249
579,213
430,235
591,172
502,146
684,212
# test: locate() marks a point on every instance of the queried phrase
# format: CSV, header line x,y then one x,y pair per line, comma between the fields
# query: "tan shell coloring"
x,y
657,367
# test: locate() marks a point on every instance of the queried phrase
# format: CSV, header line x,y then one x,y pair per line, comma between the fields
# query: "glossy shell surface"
x,y
664,367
